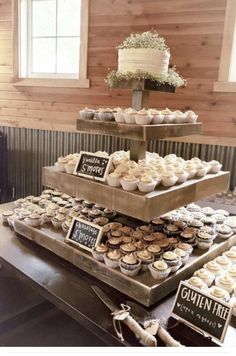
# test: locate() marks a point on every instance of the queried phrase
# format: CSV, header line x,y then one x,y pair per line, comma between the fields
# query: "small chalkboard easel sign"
x,y
197,309
92,165
84,234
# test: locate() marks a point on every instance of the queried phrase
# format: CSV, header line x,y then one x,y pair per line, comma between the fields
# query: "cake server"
x,y
151,324
122,314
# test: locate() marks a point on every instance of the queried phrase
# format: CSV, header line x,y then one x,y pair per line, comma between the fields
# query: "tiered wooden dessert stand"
x,y
134,204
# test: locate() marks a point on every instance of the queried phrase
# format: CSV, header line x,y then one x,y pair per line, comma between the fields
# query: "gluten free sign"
x,y
93,166
201,311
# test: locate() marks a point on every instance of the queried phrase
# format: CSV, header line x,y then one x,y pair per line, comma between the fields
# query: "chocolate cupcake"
x,y
126,230
173,241
146,257
140,245
149,239
204,240
155,250
109,214
187,237
137,235
114,243
127,248
172,230
180,224
101,221
88,204
130,265
99,251
85,211
145,229
115,234
159,236
112,258
164,244
158,224
94,213
186,247
195,223
172,260
127,239
114,226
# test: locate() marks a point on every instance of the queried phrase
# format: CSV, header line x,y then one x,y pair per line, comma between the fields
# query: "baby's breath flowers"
x,y
172,78
148,39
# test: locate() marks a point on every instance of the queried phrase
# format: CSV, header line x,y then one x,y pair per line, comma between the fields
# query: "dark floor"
x,y
26,319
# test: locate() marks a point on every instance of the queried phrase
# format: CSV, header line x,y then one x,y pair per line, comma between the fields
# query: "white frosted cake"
x,y
149,60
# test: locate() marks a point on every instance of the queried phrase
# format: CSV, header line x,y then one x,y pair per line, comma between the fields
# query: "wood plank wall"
x,y
193,30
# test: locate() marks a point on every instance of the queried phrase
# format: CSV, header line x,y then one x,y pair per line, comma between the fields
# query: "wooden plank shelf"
x,y
138,205
138,132
143,287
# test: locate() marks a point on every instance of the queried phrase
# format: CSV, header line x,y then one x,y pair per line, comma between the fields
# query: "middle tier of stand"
x,y
135,204
138,132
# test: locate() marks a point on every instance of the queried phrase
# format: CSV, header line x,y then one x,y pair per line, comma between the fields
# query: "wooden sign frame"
x,y
109,158
77,244
188,323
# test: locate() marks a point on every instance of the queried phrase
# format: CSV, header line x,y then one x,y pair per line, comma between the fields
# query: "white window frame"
x,y
223,84
55,80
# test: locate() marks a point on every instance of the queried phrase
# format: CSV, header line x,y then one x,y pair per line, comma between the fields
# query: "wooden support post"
x,y
137,150
140,99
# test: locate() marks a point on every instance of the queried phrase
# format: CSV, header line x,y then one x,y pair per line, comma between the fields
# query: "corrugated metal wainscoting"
x,y
29,150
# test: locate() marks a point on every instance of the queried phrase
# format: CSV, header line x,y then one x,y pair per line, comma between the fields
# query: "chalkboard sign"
x,y
201,311
84,234
92,166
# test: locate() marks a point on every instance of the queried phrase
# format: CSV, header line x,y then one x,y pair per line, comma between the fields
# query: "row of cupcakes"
x,y
58,209
141,117
218,277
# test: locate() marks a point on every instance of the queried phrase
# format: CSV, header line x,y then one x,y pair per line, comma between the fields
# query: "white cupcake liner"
x,y
159,275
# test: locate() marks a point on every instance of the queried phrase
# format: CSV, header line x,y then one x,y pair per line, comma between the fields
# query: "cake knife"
x,y
151,324
121,314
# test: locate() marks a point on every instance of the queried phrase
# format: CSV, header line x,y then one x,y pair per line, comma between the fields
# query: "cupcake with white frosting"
x,y
215,166
143,117
146,184
231,255
130,265
113,179
159,270
205,275
197,283
111,258
119,115
172,260
130,116
129,182
179,117
168,116
219,293
231,272
169,179
157,117
146,257
223,261
225,282
214,268
190,117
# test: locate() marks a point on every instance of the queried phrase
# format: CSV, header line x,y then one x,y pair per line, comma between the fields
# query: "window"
x,y
227,71
51,42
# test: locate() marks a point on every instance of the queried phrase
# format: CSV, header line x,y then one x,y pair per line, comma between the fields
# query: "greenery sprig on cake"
x,y
172,78
148,39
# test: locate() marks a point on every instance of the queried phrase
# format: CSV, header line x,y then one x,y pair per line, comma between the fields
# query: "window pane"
x,y
68,55
68,17
44,18
44,55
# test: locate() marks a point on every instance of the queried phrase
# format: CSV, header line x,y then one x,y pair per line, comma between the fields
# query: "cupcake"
x,y
231,255
219,293
179,117
6,214
146,257
127,248
58,220
130,116
186,247
159,270
168,116
129,182
214,268
172,230
140,245
143,117
86,114
231,272
99,251
126,230
190,117
160,236
130,265
112,258
114,243
127,239
197,283
169,179
113,179
187,236
47,217
207,210
172,260
182,254
70,166
204,240
222,212
209,221
95,213
215,166
106,114
19,202
173,241
181,174
155,250
223,262
33,220
88,204
193,207
219,218
66,225
158,224
101,221
157,117
150,238
224,231
109,213
137,235
119,115
225,282
85,211
201,170
114,226
146,184
206,276
145,229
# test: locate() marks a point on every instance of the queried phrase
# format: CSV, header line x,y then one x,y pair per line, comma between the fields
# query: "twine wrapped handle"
x,y
124,315
155,325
